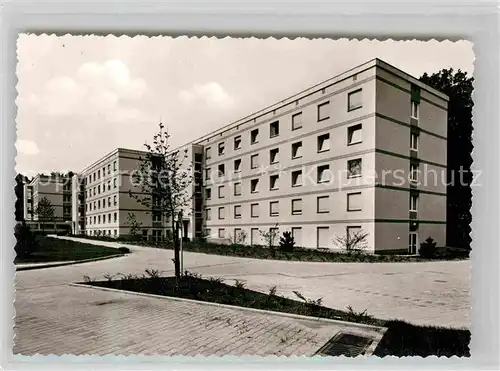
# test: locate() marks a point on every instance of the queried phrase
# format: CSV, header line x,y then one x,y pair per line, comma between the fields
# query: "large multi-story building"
x,y
362,151
365,150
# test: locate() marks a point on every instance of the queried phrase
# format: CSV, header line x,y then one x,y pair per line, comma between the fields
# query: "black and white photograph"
x,y
184,196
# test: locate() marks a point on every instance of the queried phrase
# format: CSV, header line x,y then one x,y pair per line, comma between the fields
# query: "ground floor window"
x,y
157,235
322,235
413,243
297,235
144,234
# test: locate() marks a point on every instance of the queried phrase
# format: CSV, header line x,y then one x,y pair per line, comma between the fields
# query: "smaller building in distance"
x,y
54,191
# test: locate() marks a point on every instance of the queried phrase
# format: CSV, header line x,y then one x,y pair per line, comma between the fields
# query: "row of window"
x,y
323,237
323,113
323,145
96,219
97,189
97,174
354,203
323,175
97,204
102,232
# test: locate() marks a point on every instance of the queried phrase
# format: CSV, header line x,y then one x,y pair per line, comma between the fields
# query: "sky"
x,y
80,97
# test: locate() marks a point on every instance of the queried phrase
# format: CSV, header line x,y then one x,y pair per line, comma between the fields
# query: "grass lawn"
x,y
54,249
299,254
401,339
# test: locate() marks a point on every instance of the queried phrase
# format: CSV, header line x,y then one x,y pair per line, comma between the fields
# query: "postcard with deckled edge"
x,y
242,196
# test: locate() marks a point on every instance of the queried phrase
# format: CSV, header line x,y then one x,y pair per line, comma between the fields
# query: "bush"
x,y
26,243
124,250
287,242
428,249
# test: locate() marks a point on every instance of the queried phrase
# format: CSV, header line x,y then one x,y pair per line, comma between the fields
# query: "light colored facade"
x,y
329,147
102,200
54,187
363,151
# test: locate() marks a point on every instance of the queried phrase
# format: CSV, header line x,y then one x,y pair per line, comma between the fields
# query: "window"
x,y
144,234
413,243
208,193
354,168
98,219
99,189
323,174
354,100
413,203
94,176
222,170
297,150
254,136
99,204
274,129
237,211
98,174
237,189
114,183
237,142
222,212
237,165
274,208
222,232
109,185
109,201
109,169
322,236
354,201
208,174
413,173
297,206
297,235
274,156
208,153
414,110
254,210
323,111
208,213
352,231
296,178
354,134
95,219
90,206
297,121
322,204
114,200
109,218
254,185
254,161
221,192
273,182
221,149
114,165
156,217
414,141
324,142
115,217
254,236
95,207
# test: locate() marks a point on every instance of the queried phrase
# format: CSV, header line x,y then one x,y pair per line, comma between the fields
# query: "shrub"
x,y
26,243
124,250
287,242
428,249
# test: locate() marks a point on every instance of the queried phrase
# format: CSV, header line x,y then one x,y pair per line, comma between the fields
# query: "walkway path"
x,y
53,317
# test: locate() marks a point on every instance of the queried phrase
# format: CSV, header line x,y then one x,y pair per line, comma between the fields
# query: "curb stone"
x,y
72,262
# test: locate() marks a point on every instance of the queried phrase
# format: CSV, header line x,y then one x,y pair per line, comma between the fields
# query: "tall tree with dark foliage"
x,y
458,86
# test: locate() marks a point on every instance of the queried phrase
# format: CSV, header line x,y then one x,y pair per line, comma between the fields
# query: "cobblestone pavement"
x,y
64,319
75,318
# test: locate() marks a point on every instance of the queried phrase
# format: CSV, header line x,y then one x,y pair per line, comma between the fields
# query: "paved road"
x,y
74,318
55,317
